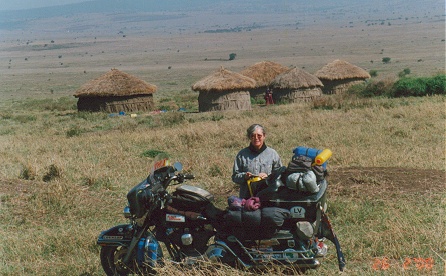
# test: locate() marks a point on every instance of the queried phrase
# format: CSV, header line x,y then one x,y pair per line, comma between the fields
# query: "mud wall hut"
x,y
115,92
263,73
224,90
339,75
296,85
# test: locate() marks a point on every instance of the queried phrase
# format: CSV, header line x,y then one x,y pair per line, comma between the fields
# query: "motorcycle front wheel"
x,y
111,261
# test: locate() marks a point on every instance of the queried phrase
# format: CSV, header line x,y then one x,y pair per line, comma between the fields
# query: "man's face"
x,y
257,138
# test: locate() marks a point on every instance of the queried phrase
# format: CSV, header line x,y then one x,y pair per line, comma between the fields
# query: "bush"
x,y
422,86
386,60
404,87
373,73
409,87
372,88
436,85
404,73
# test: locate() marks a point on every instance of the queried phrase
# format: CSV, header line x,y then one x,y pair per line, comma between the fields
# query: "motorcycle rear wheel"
x,y
111,261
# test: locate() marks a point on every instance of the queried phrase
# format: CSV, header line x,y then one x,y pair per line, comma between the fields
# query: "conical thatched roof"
x,y
224,80
115,83
295,79
264,72
340,70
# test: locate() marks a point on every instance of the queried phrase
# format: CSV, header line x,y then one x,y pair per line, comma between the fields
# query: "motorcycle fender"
x,y
116,236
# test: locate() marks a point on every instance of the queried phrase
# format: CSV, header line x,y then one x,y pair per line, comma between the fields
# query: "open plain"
x,y
54,56
64,174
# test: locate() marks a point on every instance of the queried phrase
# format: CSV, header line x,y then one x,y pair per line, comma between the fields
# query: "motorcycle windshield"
x,y
159,162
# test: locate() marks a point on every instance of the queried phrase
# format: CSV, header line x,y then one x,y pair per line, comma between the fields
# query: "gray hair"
x,y
253,128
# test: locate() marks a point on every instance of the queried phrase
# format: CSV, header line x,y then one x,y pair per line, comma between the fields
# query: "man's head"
x,y
256,134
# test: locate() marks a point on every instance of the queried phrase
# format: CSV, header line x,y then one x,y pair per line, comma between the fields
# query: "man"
x,y
255,160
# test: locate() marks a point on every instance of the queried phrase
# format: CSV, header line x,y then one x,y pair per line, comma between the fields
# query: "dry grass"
x,y
92,160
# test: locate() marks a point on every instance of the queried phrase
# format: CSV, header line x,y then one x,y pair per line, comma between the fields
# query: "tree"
x,y
386,60
232,56
404,73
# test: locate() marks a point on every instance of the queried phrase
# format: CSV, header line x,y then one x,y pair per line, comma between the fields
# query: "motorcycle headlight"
x,y
126,212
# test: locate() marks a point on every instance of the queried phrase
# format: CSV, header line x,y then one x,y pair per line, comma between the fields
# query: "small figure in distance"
x,y
269,96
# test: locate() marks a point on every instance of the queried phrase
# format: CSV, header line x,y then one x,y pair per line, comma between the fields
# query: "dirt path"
x,y
385,181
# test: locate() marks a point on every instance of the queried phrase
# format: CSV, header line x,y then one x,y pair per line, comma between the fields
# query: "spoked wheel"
x,y
111,260
113,265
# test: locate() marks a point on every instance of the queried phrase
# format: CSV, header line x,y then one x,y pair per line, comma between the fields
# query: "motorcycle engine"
x,y
191,240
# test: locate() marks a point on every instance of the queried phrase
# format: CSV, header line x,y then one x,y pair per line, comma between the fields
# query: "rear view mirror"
x,y
178,166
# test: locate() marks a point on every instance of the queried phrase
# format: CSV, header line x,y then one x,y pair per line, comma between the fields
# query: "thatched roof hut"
x,y
296,85
263,73
338,75
224,90
116,91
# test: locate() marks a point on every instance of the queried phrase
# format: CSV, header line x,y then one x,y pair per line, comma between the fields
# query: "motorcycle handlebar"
x,y
179,178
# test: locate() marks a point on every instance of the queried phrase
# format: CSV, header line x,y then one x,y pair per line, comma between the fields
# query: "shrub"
x,y
408,87
372,88
373,73
404,73
421,86
436,85
386,60
232,56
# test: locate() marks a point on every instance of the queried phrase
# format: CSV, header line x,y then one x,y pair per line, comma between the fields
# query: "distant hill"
x,y
17,19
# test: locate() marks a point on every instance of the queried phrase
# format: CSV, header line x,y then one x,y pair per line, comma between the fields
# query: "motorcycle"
x,y
289,230
156,216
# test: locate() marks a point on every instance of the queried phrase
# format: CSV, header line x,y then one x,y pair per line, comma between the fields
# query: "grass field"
x,y
64,174
391,215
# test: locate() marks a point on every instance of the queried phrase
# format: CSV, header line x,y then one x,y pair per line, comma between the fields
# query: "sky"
x,y
29,4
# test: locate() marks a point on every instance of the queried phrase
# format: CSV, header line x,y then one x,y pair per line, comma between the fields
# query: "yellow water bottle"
x,y
322,157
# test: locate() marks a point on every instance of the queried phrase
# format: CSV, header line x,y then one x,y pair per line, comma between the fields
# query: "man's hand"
x,y
248,175
263,175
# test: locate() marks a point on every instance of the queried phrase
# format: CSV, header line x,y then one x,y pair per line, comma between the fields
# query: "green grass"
x,y
403,87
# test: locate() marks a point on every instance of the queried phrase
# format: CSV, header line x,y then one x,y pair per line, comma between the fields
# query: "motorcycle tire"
x,y
111,261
